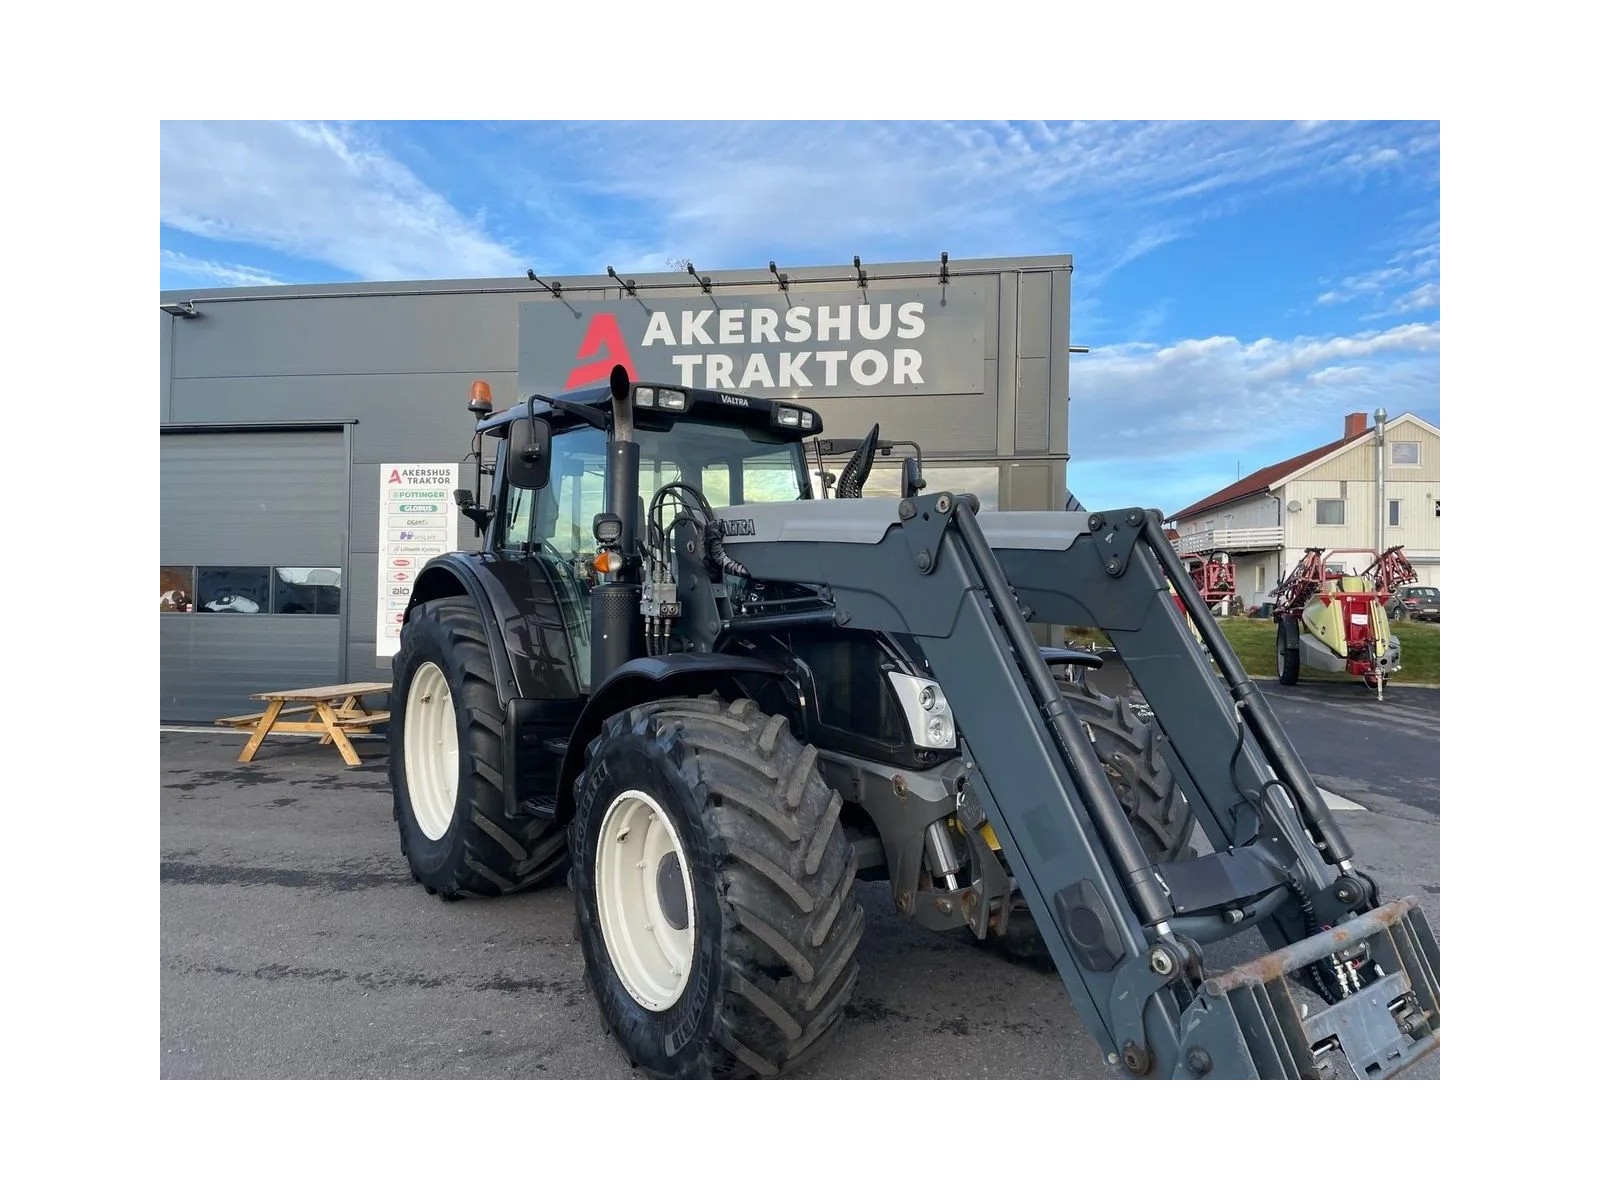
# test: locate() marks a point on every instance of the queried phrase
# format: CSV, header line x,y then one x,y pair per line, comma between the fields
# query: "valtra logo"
x,y
605,339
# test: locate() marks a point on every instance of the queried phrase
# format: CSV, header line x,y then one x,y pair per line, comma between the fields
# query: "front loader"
x,y
712,703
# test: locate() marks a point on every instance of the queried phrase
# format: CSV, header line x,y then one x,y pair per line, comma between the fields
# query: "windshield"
x,y
731,464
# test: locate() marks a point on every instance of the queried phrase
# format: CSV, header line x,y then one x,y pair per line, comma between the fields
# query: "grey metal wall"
x,y
261,499
394,363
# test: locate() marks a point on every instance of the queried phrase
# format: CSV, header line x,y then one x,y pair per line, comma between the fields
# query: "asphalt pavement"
x,y
294,943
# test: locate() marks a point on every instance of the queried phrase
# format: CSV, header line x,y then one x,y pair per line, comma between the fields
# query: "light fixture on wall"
x,y
185,309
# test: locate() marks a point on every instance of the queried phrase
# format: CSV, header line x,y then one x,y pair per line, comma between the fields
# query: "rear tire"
x,y
445,732
1128,747
1288,657
732,952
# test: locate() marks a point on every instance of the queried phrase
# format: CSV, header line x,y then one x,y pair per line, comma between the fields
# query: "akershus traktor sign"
x,y
866,342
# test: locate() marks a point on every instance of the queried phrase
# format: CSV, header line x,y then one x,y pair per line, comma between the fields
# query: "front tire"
x,y
725,945
1129,749
445,732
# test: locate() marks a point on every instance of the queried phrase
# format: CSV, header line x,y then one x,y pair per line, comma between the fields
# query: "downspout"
x,y
1377,543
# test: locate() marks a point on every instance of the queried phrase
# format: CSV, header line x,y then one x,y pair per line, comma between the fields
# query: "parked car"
x,y
1414,602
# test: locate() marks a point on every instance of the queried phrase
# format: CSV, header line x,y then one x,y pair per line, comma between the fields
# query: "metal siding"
x,y
253,499
249,499
396,335
361,593
1033,405
212,664
946,426
1033,315
366,666
1060,357
167,321
1005,393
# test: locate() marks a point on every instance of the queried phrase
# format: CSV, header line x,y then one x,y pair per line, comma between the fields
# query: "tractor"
x,y
710,703
1336,621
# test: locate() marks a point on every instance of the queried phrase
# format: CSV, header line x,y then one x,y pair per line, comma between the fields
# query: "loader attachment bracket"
x,y
926,536
1115,535
1246,1024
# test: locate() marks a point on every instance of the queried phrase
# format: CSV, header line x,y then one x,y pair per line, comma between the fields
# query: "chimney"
x,y
1355,423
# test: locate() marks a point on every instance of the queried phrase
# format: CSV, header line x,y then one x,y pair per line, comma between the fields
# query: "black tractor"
x,y
710,703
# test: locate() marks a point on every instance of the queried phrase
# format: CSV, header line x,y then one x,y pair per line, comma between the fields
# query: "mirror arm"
x,y
598,418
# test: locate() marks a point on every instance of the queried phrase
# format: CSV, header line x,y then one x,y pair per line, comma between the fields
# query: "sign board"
x,y
799,345
416,521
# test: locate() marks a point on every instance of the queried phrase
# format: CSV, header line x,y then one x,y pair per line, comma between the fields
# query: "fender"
x,y
638,681
1060,656
1291,630
458,574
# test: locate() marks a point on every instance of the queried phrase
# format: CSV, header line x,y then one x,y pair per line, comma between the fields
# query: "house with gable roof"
x,y
1329,497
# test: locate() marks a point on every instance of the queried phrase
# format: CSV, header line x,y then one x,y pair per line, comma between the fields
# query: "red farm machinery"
x,y
1214,578
1333,620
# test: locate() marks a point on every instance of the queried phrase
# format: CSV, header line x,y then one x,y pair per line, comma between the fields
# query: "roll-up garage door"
x,y
253,529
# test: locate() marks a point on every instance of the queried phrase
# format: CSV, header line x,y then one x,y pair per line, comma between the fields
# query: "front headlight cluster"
x,y
927,711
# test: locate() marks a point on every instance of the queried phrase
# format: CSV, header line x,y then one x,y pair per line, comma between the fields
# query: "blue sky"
x,y
1242,285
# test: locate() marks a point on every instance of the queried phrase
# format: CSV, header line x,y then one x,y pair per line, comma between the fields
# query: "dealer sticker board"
x,y
416,521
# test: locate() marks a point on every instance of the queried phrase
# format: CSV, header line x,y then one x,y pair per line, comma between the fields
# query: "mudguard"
x,y
636,682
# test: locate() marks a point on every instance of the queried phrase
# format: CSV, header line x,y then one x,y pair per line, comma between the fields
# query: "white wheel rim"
x,y
432,756
642,892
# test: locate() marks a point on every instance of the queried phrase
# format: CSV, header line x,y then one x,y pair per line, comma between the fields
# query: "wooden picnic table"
x,y
339,708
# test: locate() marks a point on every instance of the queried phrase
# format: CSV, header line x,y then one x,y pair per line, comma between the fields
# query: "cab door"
x,y
542,554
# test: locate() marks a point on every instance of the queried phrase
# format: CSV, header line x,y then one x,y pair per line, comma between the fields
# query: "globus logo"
x,y
410,508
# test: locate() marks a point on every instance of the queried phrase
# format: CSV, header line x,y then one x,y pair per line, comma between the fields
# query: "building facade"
x,y
302,428
1330,497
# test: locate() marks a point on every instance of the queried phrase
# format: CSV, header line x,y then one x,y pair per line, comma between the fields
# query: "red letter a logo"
x,y
394,475
605,339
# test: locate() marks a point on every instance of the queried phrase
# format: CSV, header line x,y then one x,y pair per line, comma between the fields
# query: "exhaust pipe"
x,y
615,632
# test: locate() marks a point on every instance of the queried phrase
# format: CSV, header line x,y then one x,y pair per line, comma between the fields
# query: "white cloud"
x,y
1414,269
1158,406
731,193
206,270
318,193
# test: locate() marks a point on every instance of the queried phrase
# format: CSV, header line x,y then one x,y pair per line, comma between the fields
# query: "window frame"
x,y
1405,466
1316,511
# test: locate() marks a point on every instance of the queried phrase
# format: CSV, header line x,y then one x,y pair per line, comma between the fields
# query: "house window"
x,y
1394,512
1405,454
1330,512
1261,579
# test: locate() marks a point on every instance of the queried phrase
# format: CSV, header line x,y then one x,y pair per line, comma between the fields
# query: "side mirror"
x,y
911,480
529,449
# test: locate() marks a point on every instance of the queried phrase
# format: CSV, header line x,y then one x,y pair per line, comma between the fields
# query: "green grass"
x,y
1254,642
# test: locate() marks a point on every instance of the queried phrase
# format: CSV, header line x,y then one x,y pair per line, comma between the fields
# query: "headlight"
x,y
927,711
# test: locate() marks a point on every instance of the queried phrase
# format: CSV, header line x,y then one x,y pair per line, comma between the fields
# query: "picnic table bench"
x,y
339,708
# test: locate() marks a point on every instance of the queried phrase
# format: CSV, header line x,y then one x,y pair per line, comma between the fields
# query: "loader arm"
x,y
1125,934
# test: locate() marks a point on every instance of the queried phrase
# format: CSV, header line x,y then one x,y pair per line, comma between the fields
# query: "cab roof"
x,y
657,406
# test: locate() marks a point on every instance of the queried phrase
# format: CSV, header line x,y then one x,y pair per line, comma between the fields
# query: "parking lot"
x,y
295,944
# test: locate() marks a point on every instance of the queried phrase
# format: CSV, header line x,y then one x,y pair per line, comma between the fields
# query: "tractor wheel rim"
x,y
432,754
645,903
